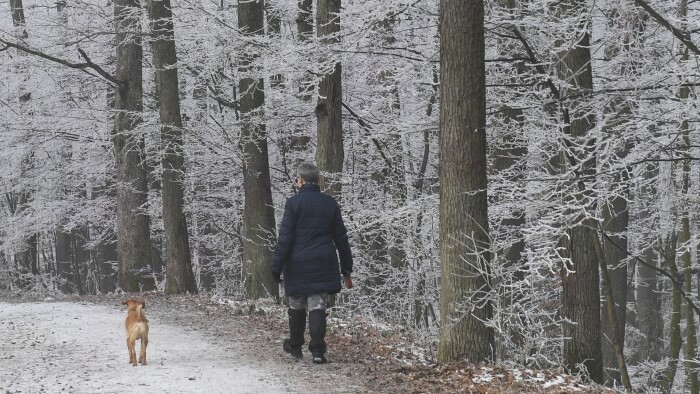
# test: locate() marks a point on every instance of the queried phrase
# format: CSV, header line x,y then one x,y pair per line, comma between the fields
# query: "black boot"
x,y
297,325
317,331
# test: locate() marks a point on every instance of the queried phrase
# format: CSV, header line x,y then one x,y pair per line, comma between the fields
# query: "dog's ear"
x,y
143,304
124,302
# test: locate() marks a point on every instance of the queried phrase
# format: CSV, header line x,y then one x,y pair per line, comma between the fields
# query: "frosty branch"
x,y
81,66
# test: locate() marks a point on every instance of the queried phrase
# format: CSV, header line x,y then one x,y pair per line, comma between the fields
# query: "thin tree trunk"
x,y
329,126
581,291
27,258
616,219
258,214
615,212
612,317
133,227
17,9
675,337
649,316
691,366
299,142
64,262
421,307
464,234
509,156
179,277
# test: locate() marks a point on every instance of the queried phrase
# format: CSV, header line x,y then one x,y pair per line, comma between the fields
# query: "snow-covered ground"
x,y
81,348
208,344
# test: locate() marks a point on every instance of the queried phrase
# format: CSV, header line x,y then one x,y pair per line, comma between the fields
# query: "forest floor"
x,y
211,344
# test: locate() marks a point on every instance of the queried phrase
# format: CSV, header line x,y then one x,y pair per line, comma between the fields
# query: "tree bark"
x,y
675,336
18,21
616,219
649,316
133,226
464,237
179,277
258,214
329,126
26,259
691,366
581,291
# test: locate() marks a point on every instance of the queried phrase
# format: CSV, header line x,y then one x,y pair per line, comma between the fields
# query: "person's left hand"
x,y
348,282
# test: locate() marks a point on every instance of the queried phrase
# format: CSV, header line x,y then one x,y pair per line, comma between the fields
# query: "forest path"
x,y
80,347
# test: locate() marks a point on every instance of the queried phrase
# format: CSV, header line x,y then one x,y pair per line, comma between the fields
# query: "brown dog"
x,y
136,328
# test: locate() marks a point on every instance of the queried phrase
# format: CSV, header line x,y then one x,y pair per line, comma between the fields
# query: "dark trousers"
x,y
317,329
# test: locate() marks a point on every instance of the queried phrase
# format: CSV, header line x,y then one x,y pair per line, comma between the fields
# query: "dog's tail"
x,y
140,314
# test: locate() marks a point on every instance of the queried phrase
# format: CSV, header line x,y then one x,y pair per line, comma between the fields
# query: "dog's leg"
x,y
131,345
142,357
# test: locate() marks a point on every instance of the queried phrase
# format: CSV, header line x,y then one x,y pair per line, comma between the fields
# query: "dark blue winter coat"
x,y
311,231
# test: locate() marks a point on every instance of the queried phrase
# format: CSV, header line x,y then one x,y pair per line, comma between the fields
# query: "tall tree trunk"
x,y
69,260
675,336
691,366
616,219
394,175
649,316
17,9
179,277
615,212
424,310
64,262
27,259
464,237
581,291
509,161
204,262
105,253
329,126
258,214
133,225
299,142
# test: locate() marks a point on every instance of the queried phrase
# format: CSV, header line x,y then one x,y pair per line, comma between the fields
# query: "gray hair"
x,y
308,172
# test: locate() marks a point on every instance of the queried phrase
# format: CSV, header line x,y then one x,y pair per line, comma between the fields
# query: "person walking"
x,y
311,232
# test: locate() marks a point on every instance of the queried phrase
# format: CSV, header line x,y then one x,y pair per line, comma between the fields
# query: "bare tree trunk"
x,y
649,316
63,262
424,310
299,142
616,219
179,277
18,21
329,125
26,259
258,214
464,234
675,337
612,317
509,161
133,226
691,366
615,212
581,291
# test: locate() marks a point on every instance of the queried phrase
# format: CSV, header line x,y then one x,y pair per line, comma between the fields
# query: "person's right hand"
x,y
348,282
277,277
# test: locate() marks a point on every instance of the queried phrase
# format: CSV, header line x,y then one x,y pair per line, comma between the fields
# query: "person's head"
x,y
308,173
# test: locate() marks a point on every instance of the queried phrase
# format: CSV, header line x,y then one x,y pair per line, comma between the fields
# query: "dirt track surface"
x,y
196,346
203,344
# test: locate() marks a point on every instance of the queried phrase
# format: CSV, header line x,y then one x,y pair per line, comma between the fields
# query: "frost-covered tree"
x,y
258,215
551,181
464,236
179,277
